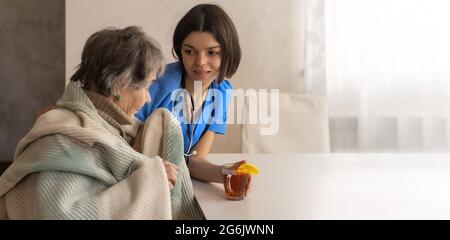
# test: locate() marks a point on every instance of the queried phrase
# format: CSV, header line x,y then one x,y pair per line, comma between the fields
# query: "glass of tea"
x,y
234,183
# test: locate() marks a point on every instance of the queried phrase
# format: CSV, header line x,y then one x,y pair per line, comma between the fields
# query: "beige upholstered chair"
x,y
303,127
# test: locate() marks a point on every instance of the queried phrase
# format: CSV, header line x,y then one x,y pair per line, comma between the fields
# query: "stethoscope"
x,y
192,126
191,139
191,129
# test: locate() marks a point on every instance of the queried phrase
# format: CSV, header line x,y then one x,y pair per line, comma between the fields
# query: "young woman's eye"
x,y
213,53
188,51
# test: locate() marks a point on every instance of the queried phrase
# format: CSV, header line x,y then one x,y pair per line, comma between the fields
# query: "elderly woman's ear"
x,y
117,92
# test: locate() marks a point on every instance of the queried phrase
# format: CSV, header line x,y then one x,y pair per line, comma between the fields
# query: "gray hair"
x,y
118,57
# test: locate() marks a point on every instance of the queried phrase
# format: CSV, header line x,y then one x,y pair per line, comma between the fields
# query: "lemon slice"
x,y
248,168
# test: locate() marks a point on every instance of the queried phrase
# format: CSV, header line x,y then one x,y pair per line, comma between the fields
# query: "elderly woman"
x,y
85,160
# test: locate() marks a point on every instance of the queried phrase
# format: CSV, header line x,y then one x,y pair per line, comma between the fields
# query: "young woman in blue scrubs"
x,y
206,44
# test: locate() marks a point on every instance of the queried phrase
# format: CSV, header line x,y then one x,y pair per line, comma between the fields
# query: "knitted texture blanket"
x,y
74,165
165,128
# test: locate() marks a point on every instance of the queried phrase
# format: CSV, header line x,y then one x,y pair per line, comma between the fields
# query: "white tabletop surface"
x,y
336,186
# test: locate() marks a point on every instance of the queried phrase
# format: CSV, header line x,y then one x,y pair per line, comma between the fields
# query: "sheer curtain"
x,y
387,74
314,47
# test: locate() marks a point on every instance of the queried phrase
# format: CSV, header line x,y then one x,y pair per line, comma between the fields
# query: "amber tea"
x,y
234,184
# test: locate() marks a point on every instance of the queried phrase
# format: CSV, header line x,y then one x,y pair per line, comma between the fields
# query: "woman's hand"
x,y
248,187
172,172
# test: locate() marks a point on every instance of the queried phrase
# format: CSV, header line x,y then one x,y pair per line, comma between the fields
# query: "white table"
x,y
336,186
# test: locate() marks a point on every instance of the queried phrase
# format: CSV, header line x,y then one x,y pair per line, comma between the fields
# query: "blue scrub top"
x,y
167,92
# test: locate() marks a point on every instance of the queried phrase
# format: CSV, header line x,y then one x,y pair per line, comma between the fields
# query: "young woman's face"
x,y
200,53
133,98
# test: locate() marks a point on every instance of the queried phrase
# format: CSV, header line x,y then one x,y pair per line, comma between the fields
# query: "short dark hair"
x,y
110,56
213,19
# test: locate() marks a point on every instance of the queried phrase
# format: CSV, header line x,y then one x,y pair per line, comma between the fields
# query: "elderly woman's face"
x,y
133,98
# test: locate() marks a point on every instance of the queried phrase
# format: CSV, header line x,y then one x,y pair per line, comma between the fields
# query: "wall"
x,y
269,32
32,65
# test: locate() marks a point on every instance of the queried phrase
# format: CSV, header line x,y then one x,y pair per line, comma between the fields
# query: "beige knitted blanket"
x,y
73,165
